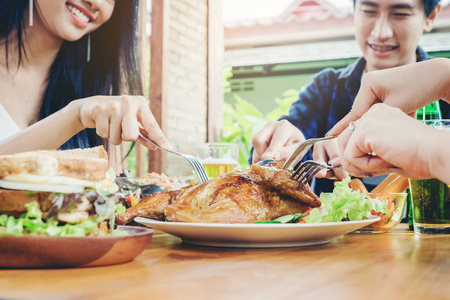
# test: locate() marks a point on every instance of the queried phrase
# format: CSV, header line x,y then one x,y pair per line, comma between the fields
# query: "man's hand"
x,y
276,140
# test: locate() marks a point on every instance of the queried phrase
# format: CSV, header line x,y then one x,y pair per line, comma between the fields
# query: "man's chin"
x,y
381,64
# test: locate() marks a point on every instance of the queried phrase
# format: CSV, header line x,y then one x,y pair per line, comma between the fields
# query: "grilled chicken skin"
x,y
255,194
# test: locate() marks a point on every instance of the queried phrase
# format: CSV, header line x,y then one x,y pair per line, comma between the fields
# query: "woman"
x,y
63,65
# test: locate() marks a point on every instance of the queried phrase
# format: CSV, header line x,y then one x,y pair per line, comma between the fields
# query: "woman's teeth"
x,y
78,13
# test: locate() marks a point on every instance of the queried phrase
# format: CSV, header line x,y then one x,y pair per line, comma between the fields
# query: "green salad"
x,y
32,222
345,204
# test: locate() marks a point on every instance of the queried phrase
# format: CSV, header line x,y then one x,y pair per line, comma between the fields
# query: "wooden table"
x,y
394,265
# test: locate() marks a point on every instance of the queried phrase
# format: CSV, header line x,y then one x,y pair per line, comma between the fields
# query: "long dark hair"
x,y
428,5
113,67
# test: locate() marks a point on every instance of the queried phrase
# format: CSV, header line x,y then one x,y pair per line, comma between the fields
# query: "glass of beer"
x,y
431,199
218,158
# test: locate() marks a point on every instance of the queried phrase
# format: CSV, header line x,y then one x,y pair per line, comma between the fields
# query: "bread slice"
x,y
94,152
86,164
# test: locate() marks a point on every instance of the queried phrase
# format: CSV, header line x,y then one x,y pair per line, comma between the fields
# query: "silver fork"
x,y
309,168
302,149
195,163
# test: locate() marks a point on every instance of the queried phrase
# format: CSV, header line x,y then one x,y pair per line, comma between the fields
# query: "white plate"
x,y
256,235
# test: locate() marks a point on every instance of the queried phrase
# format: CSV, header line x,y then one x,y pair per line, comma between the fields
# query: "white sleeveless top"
x,y
7,125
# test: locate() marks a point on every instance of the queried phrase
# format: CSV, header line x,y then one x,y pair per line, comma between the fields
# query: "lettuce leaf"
x,y
3,220
120,209
345,204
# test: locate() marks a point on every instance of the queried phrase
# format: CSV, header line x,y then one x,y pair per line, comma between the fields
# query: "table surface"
x,y
394,265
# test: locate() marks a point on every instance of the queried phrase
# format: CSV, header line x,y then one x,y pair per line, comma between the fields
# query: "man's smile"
x,y
382,48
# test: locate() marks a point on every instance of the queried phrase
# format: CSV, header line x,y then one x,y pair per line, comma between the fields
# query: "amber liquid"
x,y
214,170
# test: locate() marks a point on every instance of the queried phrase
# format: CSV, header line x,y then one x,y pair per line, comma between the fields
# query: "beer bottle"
x,y
410,212
430,112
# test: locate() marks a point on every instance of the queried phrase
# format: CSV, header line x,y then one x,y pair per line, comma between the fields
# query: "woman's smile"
x,y
79,14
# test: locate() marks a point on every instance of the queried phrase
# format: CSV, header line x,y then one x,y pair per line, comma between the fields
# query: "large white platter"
x,y
256,235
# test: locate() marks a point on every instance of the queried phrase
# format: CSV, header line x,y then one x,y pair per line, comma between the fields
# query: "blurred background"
x,y
218,70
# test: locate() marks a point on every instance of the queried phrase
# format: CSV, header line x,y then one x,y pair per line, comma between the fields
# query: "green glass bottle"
x,y
430,112
410,212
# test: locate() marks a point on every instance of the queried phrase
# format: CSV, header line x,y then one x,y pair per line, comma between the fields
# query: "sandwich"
x,y
61,193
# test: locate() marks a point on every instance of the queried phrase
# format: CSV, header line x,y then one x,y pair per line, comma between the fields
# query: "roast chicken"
x,y
255,194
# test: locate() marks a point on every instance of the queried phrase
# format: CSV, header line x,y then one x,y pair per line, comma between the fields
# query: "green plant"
x,y
243,120
227,74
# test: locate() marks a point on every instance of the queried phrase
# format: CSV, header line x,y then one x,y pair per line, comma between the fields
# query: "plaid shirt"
x,y
327,100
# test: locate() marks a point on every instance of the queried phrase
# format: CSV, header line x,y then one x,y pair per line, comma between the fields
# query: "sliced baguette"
x,y
86,164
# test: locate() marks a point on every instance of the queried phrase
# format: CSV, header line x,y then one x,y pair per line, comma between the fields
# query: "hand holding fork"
x,y
308,169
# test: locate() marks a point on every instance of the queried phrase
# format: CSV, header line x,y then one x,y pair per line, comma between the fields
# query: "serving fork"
x,y
302,149
309,168
195,163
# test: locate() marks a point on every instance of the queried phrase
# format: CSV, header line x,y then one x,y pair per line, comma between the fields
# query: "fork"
x,y
195,163
302,149
309,168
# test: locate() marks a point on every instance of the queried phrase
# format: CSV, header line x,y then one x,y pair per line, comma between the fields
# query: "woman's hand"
x,y
324,152
119,118
386,140
408,87
276,140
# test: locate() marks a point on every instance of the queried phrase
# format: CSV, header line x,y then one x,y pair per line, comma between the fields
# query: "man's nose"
x,y
382,29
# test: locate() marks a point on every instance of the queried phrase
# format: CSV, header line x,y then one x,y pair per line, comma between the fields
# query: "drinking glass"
x,y
431,198
218,158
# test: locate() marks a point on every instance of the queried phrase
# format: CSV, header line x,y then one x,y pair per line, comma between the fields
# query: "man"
x,y
388,33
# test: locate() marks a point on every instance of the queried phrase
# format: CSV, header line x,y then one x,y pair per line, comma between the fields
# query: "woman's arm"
x,y
407,87
47,134
117,118
401,143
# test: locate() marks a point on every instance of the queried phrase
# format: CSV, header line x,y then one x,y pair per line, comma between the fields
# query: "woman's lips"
x,y
80,16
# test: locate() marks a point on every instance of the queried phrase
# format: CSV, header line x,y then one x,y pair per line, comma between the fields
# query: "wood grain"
x,y
394,183
215,71
159,44
393,265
